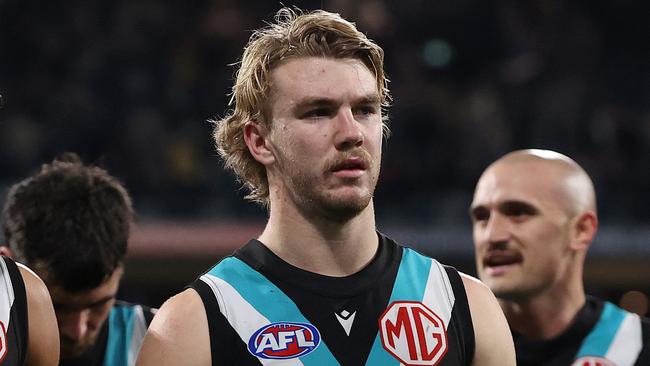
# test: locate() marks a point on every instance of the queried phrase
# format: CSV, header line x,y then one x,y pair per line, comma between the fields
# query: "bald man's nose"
x,y
497,229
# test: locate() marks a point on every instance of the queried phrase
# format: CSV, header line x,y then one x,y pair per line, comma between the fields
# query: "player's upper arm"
x,y
43,348
494,346
178,334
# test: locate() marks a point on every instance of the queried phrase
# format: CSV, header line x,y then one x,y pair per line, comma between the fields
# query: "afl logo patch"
x,y
413,334
593,361
3,342
284,340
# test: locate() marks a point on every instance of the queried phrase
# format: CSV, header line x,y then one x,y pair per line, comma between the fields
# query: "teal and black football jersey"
x,y
601,334
402,308
120,338
13,315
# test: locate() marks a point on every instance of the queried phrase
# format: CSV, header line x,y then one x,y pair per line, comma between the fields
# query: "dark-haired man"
x,y
70,223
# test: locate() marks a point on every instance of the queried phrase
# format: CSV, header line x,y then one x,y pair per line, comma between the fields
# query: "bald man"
x,y
534,217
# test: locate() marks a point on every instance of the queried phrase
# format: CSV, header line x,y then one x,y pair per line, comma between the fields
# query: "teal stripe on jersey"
x,y
120,326
600,338
410,283
270,302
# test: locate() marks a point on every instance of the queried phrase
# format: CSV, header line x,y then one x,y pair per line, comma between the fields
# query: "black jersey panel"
x,y
331,302
461,326
226,346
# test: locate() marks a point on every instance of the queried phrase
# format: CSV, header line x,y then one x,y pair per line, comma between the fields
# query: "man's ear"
x,y
6,251
256,138
584,230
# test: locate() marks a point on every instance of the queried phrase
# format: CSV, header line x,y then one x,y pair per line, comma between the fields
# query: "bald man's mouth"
x,y
498,262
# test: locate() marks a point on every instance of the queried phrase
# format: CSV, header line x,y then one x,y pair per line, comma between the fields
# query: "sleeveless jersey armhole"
x,y
462,315
211,311
230,349
20,304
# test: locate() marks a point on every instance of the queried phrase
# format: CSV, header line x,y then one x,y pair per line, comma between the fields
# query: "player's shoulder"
x,y
180,309
182,315
474,287
35,287
178,334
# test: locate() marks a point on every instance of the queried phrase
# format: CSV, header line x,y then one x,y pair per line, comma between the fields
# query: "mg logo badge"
x,y
592,361
413,334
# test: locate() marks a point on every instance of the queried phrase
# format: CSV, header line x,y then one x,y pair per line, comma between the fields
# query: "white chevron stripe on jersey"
x,y
627,343
6,287
437,281
241,315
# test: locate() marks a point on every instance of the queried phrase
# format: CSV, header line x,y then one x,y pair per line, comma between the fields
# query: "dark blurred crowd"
x,y
132,85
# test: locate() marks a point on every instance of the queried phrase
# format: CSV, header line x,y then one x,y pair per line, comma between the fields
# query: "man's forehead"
x,y
92,294
105,290
316,77
515,182
534,183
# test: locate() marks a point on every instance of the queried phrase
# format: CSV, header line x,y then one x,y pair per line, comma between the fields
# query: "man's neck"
x,y
544,317
319,245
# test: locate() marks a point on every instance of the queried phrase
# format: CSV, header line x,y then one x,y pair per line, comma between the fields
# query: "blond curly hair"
x,y
294,34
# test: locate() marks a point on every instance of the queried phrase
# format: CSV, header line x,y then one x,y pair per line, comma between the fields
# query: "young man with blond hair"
x,y
320,286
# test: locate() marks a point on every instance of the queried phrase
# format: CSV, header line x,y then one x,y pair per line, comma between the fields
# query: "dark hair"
x,y
69,221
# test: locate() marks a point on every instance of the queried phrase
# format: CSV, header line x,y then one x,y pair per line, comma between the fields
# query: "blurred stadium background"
x,y
131,85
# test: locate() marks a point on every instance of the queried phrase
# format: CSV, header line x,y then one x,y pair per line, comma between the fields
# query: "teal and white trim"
x,y
419,278
126,329
616,337
249,302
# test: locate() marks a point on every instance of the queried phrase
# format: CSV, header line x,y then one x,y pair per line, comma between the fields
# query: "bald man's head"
x,y
533,218
563,175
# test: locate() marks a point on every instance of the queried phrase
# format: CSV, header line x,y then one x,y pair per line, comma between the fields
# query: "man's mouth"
x,y
497,263
352,167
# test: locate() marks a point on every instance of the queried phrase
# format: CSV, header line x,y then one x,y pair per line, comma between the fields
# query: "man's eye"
x,y
519,211
365,111
317,113
480,214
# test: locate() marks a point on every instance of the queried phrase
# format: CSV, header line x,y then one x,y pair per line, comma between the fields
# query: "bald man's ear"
x,y
256,138
6,251
584,230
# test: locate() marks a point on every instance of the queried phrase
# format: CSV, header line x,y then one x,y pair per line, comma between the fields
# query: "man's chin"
x,y
509,292
345,209
74,350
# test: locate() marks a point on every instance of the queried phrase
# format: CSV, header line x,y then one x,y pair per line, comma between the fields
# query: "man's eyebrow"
x,y
369,99
518,205
307,102
314,102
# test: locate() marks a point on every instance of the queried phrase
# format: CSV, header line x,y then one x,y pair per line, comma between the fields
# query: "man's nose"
x,y
74,325
348,133
497,230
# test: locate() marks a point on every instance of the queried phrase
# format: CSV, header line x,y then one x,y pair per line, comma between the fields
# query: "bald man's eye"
x,y
479,214
518,210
